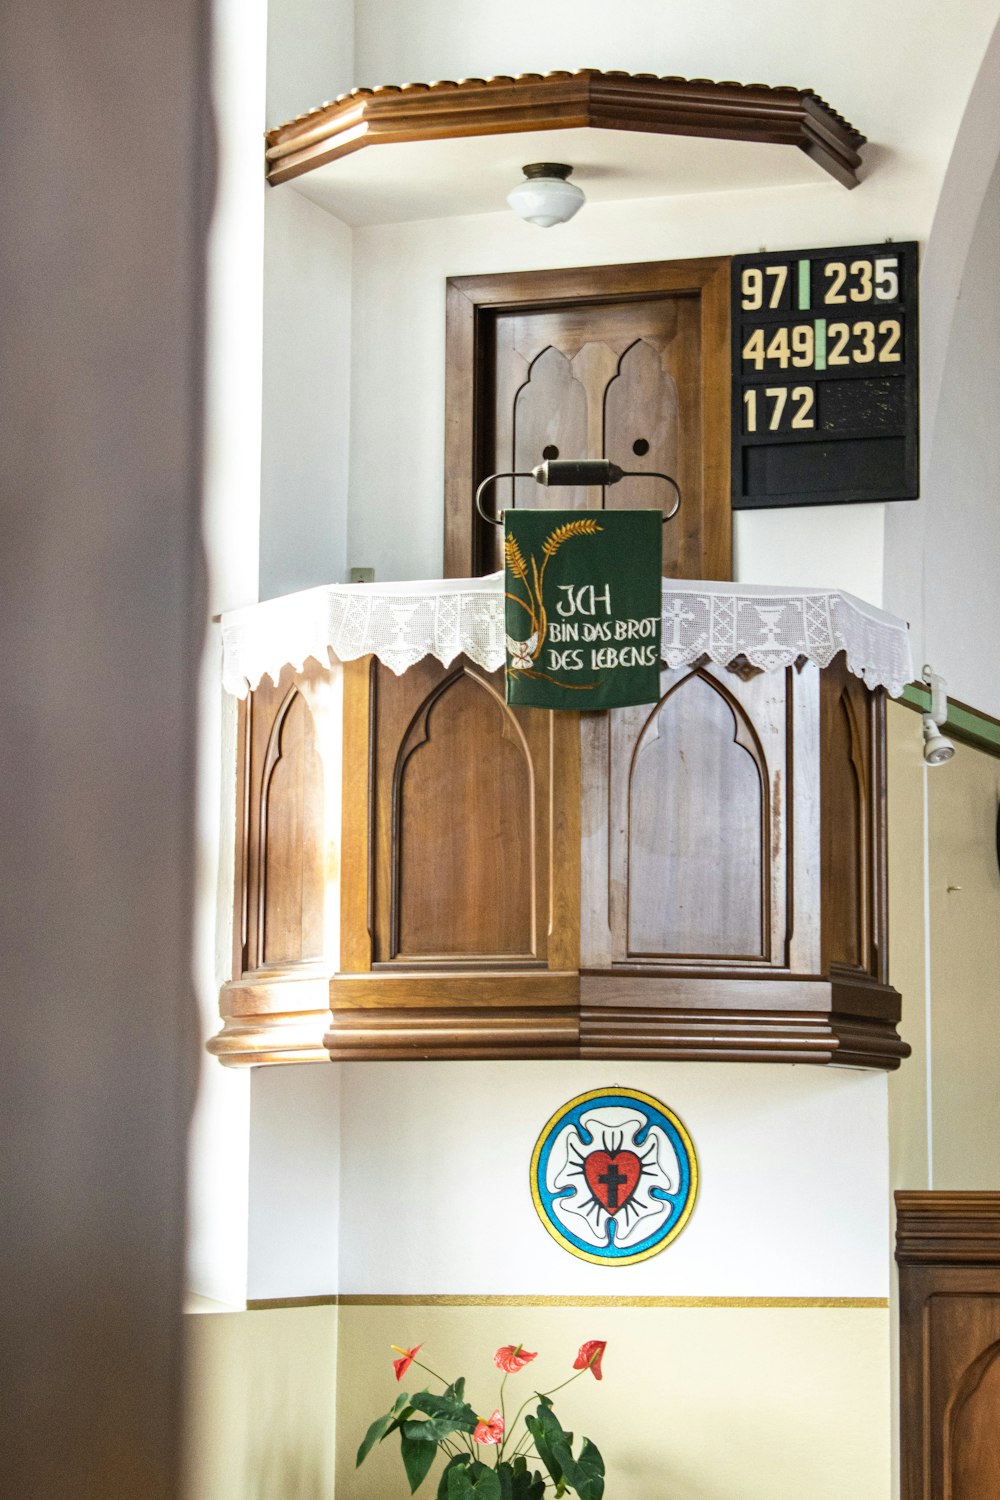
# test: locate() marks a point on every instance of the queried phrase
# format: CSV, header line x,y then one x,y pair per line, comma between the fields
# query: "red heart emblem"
x,y
612,1177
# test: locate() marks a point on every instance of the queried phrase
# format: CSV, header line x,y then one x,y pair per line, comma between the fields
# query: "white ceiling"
x,y
412,180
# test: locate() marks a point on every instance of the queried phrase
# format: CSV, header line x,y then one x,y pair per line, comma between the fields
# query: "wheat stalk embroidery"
x,y
554,541
524,654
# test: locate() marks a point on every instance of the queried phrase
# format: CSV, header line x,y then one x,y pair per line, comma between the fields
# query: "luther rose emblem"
x,y
614,1176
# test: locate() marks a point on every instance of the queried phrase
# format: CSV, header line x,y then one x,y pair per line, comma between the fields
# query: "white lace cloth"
x,y
402,622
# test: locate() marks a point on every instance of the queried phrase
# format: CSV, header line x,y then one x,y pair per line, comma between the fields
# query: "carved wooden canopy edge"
x,y
447,109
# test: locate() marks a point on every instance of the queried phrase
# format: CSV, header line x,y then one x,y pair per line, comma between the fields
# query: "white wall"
x,y
962,490
310,55
277,402
912,566
434,1194
218,1158
307,320
295,1165
306,395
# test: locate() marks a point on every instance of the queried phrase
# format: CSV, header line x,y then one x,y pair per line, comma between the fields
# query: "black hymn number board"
x,y
825,379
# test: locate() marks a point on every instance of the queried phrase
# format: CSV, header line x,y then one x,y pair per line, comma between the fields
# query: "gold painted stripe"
x,y
350,1299
264,1304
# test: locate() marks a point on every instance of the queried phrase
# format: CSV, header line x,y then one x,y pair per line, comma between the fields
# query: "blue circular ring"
x,y
656,1113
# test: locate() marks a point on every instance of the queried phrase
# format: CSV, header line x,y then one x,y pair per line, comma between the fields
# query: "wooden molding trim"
x,y
445,110
281,1021
709,1035
502,1031
680,1017
961,1229
412,988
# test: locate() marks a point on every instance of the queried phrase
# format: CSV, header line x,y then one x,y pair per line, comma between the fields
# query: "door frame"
x,y
472,302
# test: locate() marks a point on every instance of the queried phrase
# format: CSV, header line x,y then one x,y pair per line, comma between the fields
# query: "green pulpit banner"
x,y
583,607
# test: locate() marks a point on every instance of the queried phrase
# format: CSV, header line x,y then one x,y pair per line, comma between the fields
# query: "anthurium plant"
x,y
528,1457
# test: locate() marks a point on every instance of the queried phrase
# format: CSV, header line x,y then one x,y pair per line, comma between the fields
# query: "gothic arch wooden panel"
x,y
697,853
972,1430
291,868
549,421
849,831
276,1004
642,417
462,832
459,931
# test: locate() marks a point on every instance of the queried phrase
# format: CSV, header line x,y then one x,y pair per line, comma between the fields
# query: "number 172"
x,y
794,408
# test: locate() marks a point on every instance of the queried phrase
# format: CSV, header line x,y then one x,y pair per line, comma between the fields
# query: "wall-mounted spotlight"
x,y
937,747
546,196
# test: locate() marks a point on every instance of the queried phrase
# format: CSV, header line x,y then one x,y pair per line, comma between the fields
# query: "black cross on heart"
x,y
612,1177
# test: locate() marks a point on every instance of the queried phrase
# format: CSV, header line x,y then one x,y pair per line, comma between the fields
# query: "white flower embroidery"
x,y
521,652
578,1211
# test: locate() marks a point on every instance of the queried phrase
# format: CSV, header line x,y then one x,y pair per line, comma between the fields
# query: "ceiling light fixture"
x,y
546,197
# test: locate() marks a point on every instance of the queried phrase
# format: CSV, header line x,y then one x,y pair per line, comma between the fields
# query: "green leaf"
x,y
485,1483
458,1413
591,1467
457,1389
405,1413
431,1431
550,1440
375,1434
585,1474
517,1483
459,1485
417,1460
540,1440
455,1466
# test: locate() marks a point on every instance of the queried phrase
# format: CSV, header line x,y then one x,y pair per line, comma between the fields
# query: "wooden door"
x,y
628,363
619,380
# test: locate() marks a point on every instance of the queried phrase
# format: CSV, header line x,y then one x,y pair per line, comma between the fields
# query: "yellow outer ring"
x,y
536,1197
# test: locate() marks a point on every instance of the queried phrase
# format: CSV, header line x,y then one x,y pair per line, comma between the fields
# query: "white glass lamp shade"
x,y
545,197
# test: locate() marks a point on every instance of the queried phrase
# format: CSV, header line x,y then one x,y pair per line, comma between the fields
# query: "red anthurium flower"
x,y
512,1357
409,1355
590,1356
489,1432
